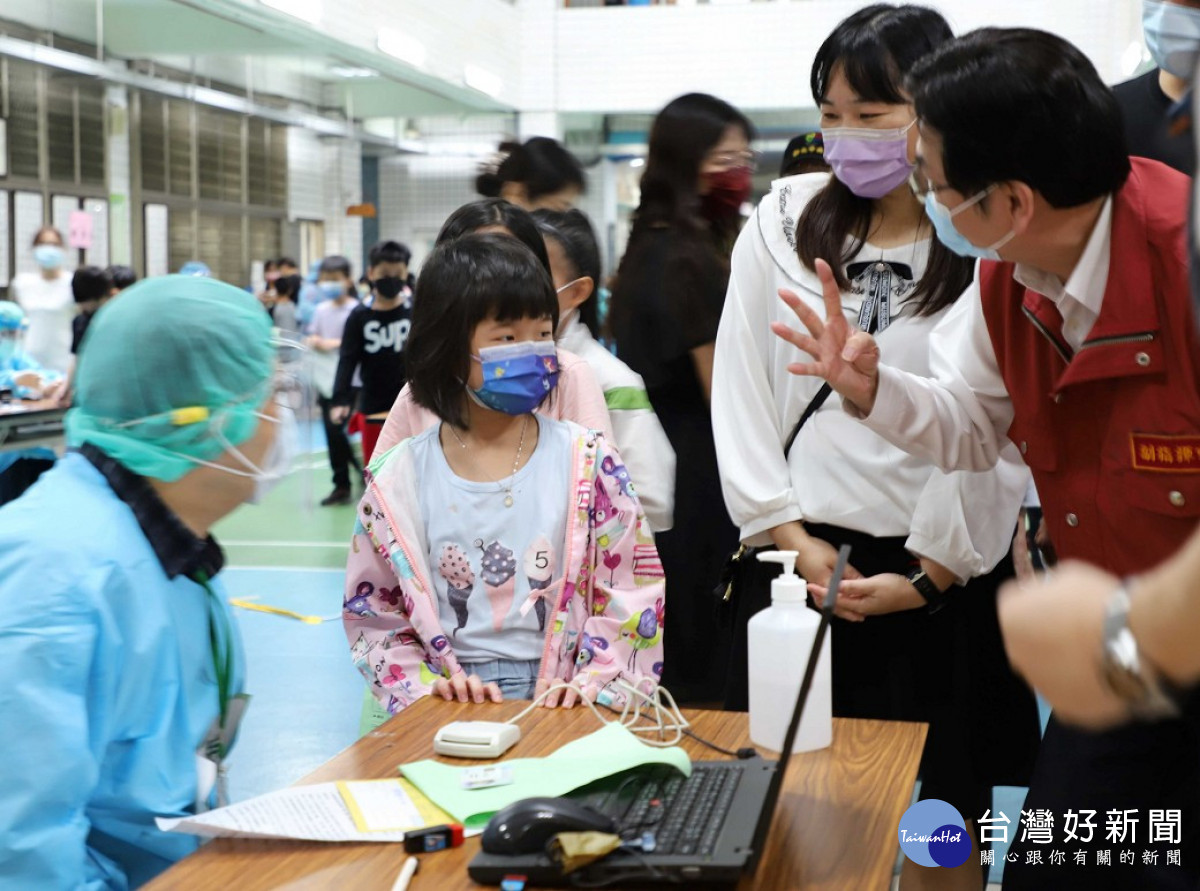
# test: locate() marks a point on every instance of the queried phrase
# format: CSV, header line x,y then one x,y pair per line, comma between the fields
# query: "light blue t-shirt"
x,y
488,559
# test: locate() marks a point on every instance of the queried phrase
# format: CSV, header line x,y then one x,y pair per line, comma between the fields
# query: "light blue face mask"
x,y
517,377
1172,36
331,290
48,256
943,224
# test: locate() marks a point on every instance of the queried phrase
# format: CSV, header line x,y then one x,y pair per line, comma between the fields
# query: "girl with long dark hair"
x,y
666,305
916,635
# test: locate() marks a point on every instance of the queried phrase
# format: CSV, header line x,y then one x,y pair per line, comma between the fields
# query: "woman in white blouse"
x,y
908,644
49,306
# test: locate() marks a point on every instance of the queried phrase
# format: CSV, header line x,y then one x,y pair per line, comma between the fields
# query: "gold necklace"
x,y
507,490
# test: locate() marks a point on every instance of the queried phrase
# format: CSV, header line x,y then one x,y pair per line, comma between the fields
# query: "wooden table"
x,y
835,828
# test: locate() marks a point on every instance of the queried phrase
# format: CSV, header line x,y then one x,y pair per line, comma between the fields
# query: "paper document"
x,y
381,806
353,811
610,750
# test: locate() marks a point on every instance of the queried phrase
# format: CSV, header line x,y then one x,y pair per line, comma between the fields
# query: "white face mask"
x,y
276,462
564,318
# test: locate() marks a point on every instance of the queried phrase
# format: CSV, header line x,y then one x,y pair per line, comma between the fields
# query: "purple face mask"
x,y
869,162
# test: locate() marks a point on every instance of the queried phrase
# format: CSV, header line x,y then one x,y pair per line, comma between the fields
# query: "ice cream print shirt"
x,y
436,578
494,567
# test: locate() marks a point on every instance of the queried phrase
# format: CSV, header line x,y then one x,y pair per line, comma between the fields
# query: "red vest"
x,y
1112,433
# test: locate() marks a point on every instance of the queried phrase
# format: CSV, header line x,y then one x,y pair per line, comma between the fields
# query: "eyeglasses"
x,y
919,190
730,160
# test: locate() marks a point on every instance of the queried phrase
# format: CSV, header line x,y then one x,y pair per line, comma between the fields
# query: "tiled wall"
x,y
306,175
342,188
324,178
416,194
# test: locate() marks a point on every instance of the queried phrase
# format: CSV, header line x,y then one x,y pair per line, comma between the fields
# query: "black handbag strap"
x,y
817,402
871,326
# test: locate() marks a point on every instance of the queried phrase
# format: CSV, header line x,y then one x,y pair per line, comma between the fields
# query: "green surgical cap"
x,y
167,366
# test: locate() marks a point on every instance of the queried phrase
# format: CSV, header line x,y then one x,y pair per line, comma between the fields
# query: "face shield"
x,y
12,341
295,397
288,408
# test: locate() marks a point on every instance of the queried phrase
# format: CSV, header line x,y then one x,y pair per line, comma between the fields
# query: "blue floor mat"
x,y
306,694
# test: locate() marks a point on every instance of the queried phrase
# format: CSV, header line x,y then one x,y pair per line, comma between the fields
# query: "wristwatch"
x,y
935,598
1126,672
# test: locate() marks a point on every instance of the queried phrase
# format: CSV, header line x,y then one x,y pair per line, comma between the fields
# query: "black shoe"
x,y
337,497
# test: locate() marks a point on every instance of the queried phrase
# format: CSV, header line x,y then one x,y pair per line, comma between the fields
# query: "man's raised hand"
x,y
841,354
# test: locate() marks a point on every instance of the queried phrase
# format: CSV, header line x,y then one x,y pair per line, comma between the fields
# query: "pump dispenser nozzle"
x,y
787,587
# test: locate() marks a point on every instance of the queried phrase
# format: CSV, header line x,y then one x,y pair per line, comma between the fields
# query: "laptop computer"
x,y
710,827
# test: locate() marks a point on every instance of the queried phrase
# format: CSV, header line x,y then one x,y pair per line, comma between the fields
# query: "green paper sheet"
x,y
610,750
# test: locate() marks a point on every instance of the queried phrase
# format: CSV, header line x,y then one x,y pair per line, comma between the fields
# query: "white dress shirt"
x,y
959,420
839,471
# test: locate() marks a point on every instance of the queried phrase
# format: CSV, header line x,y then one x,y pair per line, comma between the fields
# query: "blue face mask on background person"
x,y
870,163
1172,36
330,290
517,377
943,224
48,256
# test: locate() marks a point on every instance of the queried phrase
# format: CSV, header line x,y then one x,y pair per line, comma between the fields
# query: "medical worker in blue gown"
x,y
120,668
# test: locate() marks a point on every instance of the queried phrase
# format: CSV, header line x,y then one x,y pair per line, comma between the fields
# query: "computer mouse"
x,y
525,826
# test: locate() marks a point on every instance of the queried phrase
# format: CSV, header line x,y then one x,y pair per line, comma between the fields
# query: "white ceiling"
x,y
253,48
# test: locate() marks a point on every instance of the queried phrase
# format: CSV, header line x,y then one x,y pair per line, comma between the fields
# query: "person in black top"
x,y
666,306
373,342
1146,101
91,286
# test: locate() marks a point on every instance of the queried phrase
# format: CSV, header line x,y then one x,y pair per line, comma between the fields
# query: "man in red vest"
x,y
1077,341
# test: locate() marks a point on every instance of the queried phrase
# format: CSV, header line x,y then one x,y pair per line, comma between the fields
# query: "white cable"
x,y
664,714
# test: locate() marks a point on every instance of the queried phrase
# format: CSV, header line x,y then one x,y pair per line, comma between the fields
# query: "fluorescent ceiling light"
x,y
638,162
349,71
308,10
218,99
483,81
402,47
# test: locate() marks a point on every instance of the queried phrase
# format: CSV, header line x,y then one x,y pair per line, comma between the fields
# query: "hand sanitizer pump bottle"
x,y
780,639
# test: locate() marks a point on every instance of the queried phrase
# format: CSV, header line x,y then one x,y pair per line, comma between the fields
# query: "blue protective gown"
x,y
107,687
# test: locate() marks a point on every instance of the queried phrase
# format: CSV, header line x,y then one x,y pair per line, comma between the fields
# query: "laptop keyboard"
x,y
684,814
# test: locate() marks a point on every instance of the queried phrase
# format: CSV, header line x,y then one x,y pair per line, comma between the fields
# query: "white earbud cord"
x,y
658,707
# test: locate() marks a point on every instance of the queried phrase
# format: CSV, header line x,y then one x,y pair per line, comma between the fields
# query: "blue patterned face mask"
x,y
517,377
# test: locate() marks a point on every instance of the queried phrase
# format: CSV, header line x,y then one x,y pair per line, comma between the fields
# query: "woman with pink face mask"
x,y
666,305
799,474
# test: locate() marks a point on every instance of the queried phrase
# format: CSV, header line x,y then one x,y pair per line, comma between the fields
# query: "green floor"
x,y
290,530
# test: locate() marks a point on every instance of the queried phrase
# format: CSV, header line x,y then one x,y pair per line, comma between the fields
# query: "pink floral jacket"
x,y
608,604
